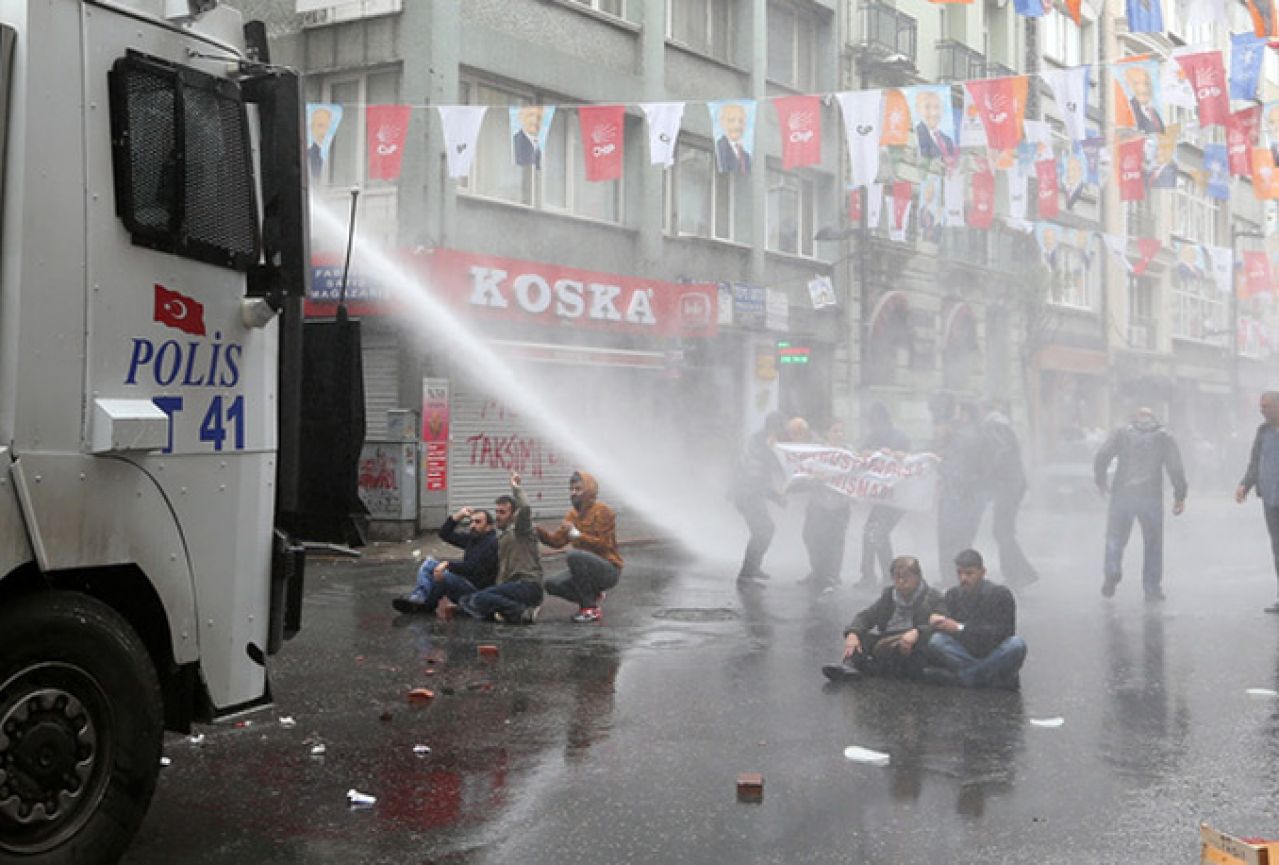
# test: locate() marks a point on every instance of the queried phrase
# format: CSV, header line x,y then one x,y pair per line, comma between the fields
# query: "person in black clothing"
x,y
887,638
960,497
826,523
1006,479
1263,474
974,643
758,480
1144,450
454,579
877,542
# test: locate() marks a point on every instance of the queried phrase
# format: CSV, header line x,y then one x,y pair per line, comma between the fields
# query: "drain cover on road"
x,y
696,614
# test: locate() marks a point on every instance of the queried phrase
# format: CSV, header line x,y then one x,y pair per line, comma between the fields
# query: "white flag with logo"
x,y
461,125
1221,261
874,205
664,119
863,112
1070,92
1018,178
1117,246
953,195
1174,85
972,132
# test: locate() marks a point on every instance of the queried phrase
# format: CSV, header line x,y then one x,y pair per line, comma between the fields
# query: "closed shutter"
x,y
381,355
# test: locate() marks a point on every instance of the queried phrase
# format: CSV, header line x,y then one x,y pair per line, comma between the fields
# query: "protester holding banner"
x,y
826,524
759,479
877,532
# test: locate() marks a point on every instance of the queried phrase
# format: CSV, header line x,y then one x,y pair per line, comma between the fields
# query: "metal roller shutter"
x,y
381,355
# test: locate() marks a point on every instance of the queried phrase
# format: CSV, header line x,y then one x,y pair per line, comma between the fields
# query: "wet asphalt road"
x,y
620,742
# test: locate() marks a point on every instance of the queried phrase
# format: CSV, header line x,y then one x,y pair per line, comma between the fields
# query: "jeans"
x,y
755,510
1272,525
430,590
999,669
587,576
1149,511
1013,563
825,534
877,541
510,599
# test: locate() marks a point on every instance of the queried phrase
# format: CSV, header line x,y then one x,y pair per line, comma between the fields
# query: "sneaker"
x,y
844,671
410,604
1108,587
587,614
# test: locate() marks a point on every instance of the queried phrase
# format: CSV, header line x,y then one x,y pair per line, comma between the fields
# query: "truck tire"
x,y
81,729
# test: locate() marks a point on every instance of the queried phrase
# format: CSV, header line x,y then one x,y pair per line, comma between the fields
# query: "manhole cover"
x,y
696,614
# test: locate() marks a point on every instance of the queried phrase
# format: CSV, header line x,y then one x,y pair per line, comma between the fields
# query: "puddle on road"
x,y
697,614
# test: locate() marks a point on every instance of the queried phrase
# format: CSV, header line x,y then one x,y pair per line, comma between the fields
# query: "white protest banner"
x,y
882,477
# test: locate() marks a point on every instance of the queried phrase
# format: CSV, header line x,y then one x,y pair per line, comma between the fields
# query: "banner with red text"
x,y
883,477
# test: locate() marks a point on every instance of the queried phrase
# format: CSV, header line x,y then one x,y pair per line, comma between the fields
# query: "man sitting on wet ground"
x,y
595,565
974,644
439,579
517,597
887,638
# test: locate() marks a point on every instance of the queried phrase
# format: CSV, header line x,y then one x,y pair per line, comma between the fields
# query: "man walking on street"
x,y
518,594
595,565
441,578
877,541
758,480
1263,474
975,644
1142,451
1007,483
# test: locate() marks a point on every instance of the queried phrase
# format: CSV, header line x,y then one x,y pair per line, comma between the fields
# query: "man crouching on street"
x,y
595,565
888,637
517,597
976,645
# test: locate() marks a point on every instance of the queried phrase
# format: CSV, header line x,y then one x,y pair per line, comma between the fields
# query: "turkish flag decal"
x,y
174,309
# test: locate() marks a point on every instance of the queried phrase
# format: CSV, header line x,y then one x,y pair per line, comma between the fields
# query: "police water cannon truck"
x,y
153,263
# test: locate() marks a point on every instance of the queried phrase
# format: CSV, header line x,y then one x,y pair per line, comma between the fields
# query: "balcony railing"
x,y
957,62
886,31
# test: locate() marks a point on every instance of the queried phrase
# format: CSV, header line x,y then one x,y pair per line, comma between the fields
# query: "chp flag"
x,y
602,140
903,480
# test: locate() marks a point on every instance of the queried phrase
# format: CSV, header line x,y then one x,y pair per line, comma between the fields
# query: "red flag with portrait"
x,y
602,127
1047,202
1256,275
800,118
1207,77
388,126
1130,169
981,214
1001,103
1241,134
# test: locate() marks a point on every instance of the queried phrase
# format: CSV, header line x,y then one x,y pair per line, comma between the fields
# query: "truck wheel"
x,y
81,728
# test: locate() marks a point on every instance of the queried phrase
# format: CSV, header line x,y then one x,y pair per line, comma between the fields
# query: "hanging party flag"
x,y
982,212
800,118
1217,171
1147,249
1265,174
1137,102
1256,275
1174,84
387,126
1264,19
1162,172
1001,103
1145,16
1072,172
1075,9
934,122
322,120
1029,8
1070,92
1018,180
1048,236
874,204
1242,128
1221,263
1117,246
1247,51
863,114
903,195
1132,179
1205,12
1191,263
664,119
461,125
1046,200
930,207
733,126
530,124
1207,77
972,132
602,140
855,206
953,194
896,119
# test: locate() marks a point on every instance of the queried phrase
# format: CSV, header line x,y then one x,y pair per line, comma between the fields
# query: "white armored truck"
x,y
152,266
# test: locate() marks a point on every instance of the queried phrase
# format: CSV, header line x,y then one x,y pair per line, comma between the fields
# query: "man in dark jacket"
x,y
759,479
1263,474
1006,481
1144,450
877,542
517,597
961,497
454,579
974,644
887,638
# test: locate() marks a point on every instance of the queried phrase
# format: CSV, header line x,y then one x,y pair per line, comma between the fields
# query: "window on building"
x,y
791,213
702,202
1198,309
1074,275
1141,312
560,185
348,159
703,25
616,8
1064,41
1141,218
1194,214
792,47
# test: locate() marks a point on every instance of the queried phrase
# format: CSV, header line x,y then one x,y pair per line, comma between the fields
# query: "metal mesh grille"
x,y
219,189
152,151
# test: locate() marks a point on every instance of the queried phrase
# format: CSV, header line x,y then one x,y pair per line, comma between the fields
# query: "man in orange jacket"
x,y
594,566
